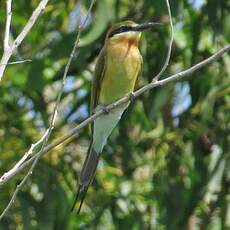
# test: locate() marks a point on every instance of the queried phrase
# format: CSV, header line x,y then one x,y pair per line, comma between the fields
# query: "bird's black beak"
x,y
145,26
127,28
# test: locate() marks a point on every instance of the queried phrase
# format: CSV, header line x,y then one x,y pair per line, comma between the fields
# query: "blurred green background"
x,y
166,166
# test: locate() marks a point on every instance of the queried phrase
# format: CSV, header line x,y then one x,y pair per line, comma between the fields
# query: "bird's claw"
x,y
132,97
105,110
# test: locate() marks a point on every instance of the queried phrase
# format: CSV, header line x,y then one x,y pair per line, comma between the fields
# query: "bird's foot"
x,y
132,97
105,110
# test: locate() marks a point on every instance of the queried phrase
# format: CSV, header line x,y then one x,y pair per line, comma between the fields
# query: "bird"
x,y
116,71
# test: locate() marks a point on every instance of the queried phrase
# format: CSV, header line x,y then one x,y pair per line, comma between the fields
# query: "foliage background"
x,y
165,166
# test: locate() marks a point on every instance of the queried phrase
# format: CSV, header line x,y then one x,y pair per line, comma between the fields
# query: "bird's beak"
x,y
145,26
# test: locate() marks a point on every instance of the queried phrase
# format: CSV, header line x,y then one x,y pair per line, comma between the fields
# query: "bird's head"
x,y
128,30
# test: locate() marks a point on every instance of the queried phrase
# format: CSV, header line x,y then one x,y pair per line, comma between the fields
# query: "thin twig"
x,y
17,62
6,39
178,76
10,49
30,151
53,117
157,77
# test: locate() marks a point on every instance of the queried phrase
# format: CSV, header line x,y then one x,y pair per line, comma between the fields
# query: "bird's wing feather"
x,y
90,164
97,80
137,84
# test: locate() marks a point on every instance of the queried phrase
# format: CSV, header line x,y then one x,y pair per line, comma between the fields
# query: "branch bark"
x,y
6,39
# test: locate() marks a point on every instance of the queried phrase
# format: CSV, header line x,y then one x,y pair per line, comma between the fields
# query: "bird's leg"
x,y
132,97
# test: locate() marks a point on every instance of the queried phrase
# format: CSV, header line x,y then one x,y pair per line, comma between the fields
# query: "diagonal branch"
x,y
9,50
178,76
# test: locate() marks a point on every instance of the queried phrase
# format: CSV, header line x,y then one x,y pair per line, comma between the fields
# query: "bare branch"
x,y
30,23
178,76
169,47
9,50
6,39
30,151
47,134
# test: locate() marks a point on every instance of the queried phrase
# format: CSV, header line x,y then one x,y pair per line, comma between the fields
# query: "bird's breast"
x,y
122,67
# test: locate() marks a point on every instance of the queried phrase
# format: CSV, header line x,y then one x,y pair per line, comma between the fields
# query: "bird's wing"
x,y
90,164
137,84
97,80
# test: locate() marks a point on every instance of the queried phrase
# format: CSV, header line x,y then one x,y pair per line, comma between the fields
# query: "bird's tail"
x,y
86,176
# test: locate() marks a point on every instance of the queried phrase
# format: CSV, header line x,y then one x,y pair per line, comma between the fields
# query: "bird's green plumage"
x,y
97,79
122,66
116,71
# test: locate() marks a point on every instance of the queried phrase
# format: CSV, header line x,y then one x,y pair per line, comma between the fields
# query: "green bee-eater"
x,y
117,68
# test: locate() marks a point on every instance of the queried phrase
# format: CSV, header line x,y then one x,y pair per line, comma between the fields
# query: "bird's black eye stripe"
x,y
120,30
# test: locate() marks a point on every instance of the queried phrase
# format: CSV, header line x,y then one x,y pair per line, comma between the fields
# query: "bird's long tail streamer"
x,y
86,177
